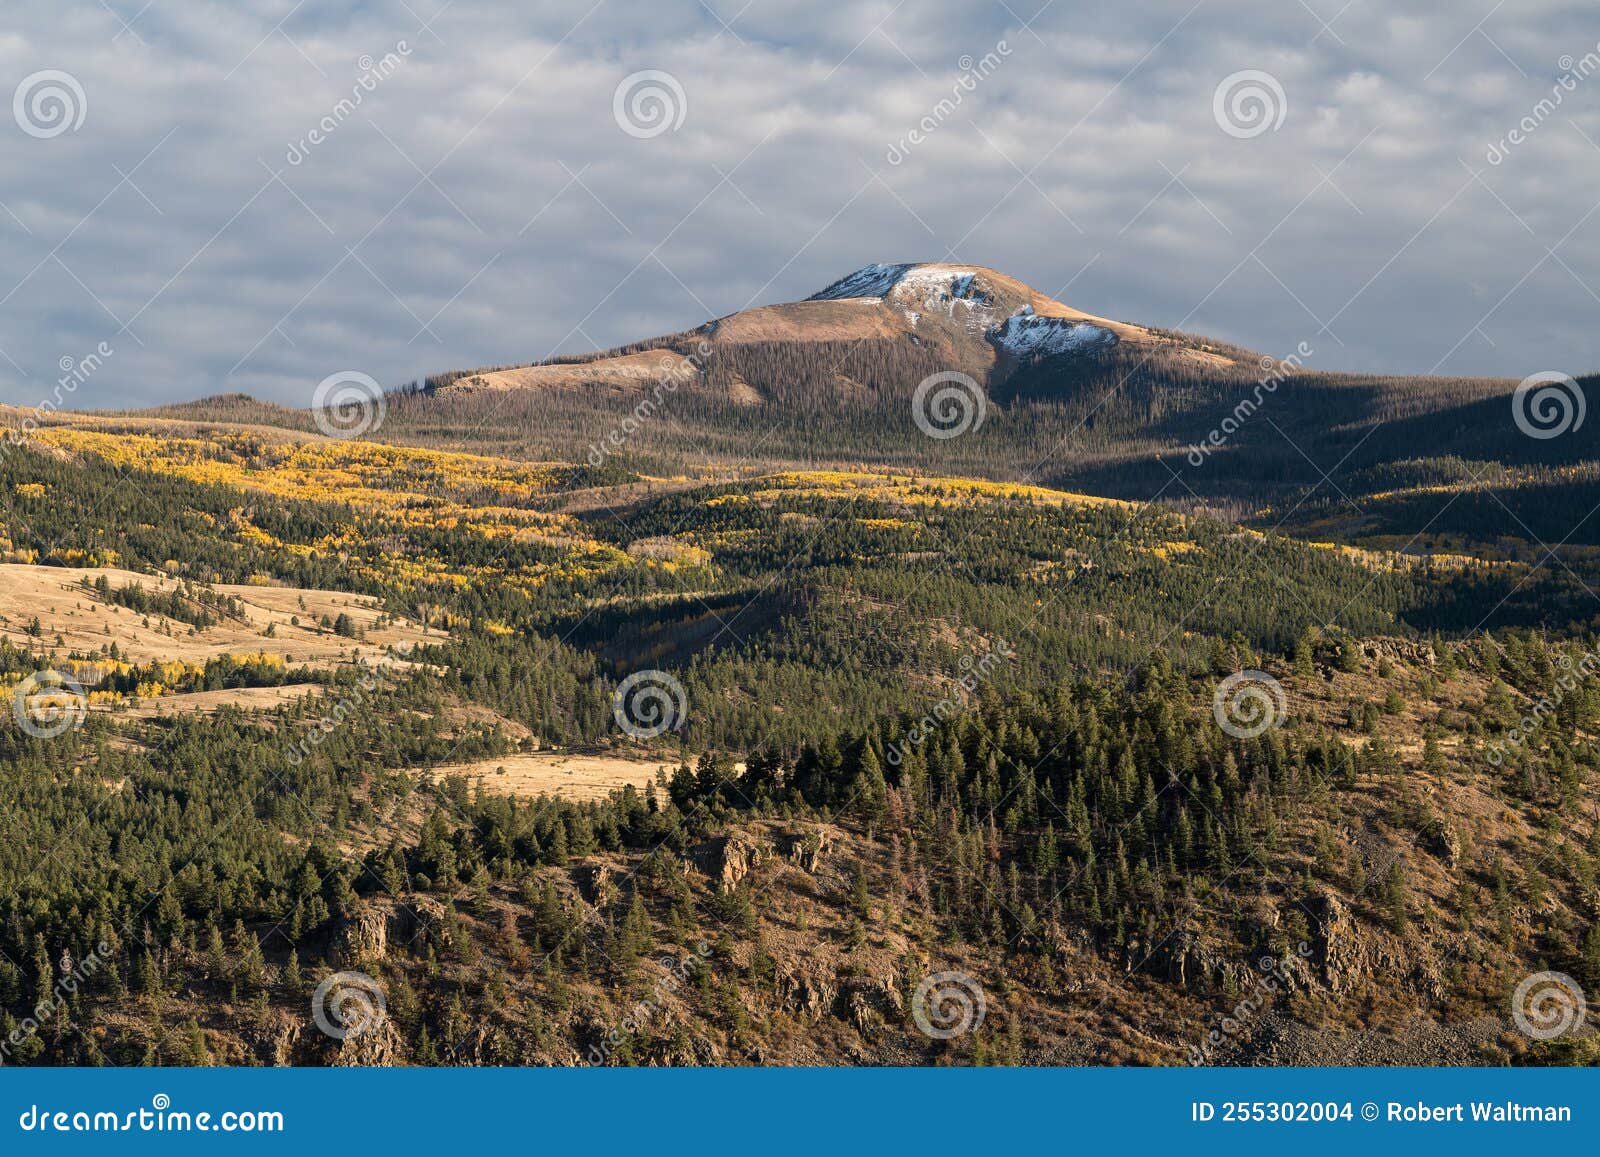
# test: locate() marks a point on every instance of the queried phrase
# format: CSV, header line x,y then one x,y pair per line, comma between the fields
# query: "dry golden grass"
x,y
633,372
75,616
570,776
210,702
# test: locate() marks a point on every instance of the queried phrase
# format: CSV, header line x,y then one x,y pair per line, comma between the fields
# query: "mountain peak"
x,y
881,280
939,315
921,286
877,279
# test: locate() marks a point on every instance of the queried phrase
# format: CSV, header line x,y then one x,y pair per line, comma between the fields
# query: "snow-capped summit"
x,y
967,318
1015,319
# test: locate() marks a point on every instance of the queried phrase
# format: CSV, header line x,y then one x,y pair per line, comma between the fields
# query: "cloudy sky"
x,y
254,194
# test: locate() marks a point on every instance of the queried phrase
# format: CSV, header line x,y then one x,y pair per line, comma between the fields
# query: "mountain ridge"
x,y
1068,399
969,318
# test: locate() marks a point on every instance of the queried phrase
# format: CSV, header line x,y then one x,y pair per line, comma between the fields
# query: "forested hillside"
x,y
1097,759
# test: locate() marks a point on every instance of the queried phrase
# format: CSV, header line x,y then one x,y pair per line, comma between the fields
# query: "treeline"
x,y
185,604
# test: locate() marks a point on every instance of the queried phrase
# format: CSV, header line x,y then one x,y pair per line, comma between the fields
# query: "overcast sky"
x,y
498,195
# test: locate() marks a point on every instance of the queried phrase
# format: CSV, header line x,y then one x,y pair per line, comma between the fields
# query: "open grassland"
x,y
57,606
570,776
283,637
209,702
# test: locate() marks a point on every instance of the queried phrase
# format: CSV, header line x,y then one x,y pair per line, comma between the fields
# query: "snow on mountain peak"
x,y
873,280
879,281
1026,334
988,310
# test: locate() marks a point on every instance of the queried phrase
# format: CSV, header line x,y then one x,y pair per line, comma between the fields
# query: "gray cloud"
x,y
482,205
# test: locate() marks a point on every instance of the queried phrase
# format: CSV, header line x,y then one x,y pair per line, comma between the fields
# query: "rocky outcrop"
x,y
806,991
596,884
1400,651
361,936
1179,959
1336,941
726,860
682,1052
1185,960
279,1040
365,933
859,993
420,922
805,850
1445,842
377,1044
1190,962
869,1001
1348,955
1066,940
